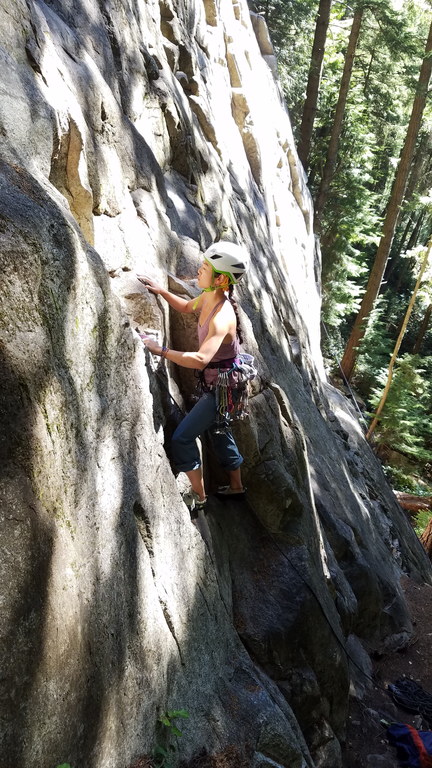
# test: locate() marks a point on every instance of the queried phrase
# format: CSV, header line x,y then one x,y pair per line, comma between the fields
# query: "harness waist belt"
x,y
222,363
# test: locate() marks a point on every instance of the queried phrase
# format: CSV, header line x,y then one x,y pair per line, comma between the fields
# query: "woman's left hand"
x,y
151,344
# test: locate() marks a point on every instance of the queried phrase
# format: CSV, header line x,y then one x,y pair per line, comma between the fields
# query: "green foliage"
x,y
421,521
375,121
399,479
63,765
383,83
423,300
165,751
406,481
376,349
344,293
404,423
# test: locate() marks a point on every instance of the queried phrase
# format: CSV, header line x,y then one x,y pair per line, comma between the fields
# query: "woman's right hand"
x,y
150,284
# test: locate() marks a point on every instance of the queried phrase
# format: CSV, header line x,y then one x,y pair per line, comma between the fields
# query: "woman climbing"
x,y
219,337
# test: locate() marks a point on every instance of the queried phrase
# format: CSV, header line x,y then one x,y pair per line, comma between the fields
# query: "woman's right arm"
x,y
176,302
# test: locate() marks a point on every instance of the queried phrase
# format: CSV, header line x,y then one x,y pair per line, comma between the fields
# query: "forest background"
x,y
356,79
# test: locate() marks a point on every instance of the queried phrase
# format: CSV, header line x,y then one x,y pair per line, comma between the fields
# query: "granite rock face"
x,y
133,135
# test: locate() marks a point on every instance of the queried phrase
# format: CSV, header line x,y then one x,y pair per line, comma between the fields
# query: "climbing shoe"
x,y
193,501
226,492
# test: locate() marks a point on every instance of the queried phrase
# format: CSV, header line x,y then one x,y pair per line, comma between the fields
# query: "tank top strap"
x,y
212,313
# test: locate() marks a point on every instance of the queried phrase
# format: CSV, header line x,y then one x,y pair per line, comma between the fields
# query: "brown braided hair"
x,y
236,312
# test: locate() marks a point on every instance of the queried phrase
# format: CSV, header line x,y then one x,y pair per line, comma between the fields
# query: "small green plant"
x,y
64,765
401,479
421,521
408,479
164,752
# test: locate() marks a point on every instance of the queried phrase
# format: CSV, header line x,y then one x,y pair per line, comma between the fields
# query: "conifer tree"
x,y
399,342
338,118
314,78
422,330
392,213
404,425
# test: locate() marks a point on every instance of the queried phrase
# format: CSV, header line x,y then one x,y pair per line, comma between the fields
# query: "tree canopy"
x,y
369,164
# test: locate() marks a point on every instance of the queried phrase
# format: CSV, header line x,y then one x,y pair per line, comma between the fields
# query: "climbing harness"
x,y
231,388
230,385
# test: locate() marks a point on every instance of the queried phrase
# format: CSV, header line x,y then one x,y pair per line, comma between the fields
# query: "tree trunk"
x,y
404,235
390,221
412,242
412,238
422,330
368,74
426,538
393,263
421,159
398,343
332,151
314,78
412,503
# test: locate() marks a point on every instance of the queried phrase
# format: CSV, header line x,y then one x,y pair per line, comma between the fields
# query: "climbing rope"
x,y
346,382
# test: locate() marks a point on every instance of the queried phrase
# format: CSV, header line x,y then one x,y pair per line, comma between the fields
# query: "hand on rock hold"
x,y
150,284
151,344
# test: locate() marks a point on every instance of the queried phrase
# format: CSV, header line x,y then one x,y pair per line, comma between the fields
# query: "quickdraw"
x,y
232,392
231,388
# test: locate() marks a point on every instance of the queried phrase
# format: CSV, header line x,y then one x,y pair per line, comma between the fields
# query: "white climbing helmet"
x,y
228,259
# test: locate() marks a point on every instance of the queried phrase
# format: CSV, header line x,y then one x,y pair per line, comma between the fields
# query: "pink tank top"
x,y
225,352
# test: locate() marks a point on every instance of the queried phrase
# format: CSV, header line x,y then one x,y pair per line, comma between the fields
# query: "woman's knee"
x,y
178,442
176,438
183,442
185,453
184,432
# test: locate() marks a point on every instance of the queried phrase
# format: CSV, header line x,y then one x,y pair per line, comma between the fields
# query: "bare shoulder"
x,y
224,316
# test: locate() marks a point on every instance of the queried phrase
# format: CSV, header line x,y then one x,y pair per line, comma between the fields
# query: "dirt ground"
x,y
231,757
367,745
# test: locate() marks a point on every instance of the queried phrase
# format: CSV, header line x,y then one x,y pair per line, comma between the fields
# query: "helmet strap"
x,y
224,286
204,290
